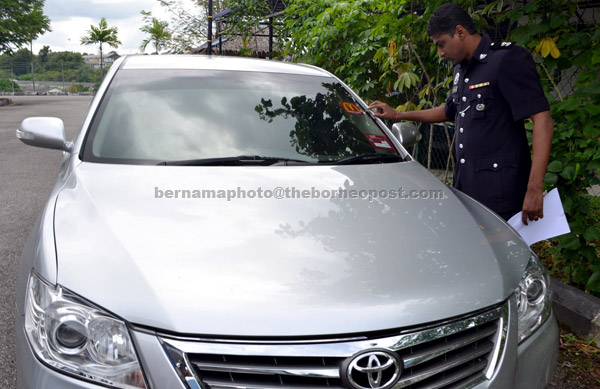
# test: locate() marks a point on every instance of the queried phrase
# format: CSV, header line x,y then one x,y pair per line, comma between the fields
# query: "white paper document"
x,y
553,223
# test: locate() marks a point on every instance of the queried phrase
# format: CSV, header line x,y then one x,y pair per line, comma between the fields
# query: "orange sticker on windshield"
x,y
379,141
351,108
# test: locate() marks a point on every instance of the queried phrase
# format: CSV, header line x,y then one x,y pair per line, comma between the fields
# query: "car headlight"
x,y
533,298
68,334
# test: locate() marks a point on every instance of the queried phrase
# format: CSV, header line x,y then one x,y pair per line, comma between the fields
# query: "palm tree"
x,y
159,34
101,34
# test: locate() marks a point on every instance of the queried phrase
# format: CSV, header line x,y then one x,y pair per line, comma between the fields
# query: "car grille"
x,y
455,354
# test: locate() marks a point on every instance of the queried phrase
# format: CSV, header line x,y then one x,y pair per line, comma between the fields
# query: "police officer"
x,y
495,87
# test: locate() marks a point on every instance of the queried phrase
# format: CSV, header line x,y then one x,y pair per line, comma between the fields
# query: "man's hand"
x,y
383,110
533,205
432,115
543,129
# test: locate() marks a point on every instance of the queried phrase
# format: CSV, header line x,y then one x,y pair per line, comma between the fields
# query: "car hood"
x,y
324,260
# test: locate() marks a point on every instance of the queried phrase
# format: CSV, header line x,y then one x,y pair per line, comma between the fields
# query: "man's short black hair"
x,y
445,19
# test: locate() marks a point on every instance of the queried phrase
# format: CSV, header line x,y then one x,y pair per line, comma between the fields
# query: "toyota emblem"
x,y
373,369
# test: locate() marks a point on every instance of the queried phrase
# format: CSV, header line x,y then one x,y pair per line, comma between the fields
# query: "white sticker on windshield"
x,y
379,141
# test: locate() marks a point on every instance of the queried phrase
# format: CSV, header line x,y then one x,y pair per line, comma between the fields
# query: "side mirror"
x,y
45,132
406,133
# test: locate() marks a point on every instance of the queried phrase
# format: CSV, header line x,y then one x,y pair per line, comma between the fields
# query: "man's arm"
x,y
543,130
433,115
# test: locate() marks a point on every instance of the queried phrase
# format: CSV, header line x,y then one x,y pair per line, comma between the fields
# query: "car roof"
x,y
204,62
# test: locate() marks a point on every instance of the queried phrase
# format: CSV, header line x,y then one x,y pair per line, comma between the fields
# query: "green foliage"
x,y
245,17
245,52
44,53
339,36
6,74
159,32
189,22
56,64
84,74
21,21
379,48
49,76
63,60
75,88
8,85
18,62
245,20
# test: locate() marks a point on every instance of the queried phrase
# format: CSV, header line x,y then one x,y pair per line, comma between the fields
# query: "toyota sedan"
x,y
232,223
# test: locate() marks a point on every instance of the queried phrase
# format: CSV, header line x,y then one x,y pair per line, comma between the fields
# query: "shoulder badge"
x,y
501,45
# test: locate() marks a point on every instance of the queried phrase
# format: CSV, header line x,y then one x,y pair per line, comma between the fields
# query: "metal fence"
x,y
435,151
16,78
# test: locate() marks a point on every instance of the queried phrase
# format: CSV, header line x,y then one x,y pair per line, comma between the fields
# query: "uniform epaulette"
x,y
501,45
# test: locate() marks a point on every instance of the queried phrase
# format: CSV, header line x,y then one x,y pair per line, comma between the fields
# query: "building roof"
x,y
231,45
111,54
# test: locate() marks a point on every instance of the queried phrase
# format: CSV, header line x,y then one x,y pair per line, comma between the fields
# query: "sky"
x,y
71,19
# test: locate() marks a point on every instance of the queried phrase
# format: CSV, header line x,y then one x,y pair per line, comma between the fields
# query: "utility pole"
x,y
12,78
32,75
271,38
62,70
210,19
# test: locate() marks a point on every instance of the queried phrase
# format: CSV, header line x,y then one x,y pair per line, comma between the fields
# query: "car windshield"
x,y
190,116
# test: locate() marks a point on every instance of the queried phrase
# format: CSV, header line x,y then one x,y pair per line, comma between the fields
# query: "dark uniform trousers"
x,y
490,98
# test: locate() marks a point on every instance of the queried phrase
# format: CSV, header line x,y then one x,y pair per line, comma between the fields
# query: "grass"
x,y
578,363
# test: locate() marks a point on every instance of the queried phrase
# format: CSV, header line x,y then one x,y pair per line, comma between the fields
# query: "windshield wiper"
x,y
368,158
240,160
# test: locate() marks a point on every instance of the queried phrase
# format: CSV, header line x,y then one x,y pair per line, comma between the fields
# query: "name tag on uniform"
x,y
479,85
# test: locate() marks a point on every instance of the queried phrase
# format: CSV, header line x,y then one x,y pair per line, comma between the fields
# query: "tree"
x,y
321,127
247,19
101,34
64,60
21,21
190,24
44,53
378,47
9,86
158,31
18,62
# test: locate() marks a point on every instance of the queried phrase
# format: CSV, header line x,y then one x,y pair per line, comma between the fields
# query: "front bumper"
x,y
528,365
536,357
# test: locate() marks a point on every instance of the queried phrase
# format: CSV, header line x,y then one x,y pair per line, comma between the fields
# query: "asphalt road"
x,y
27,175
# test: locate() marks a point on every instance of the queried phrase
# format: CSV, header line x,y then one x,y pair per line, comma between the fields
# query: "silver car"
x,y
233,223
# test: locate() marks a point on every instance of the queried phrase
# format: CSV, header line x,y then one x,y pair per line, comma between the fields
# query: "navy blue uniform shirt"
x,y
490,98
